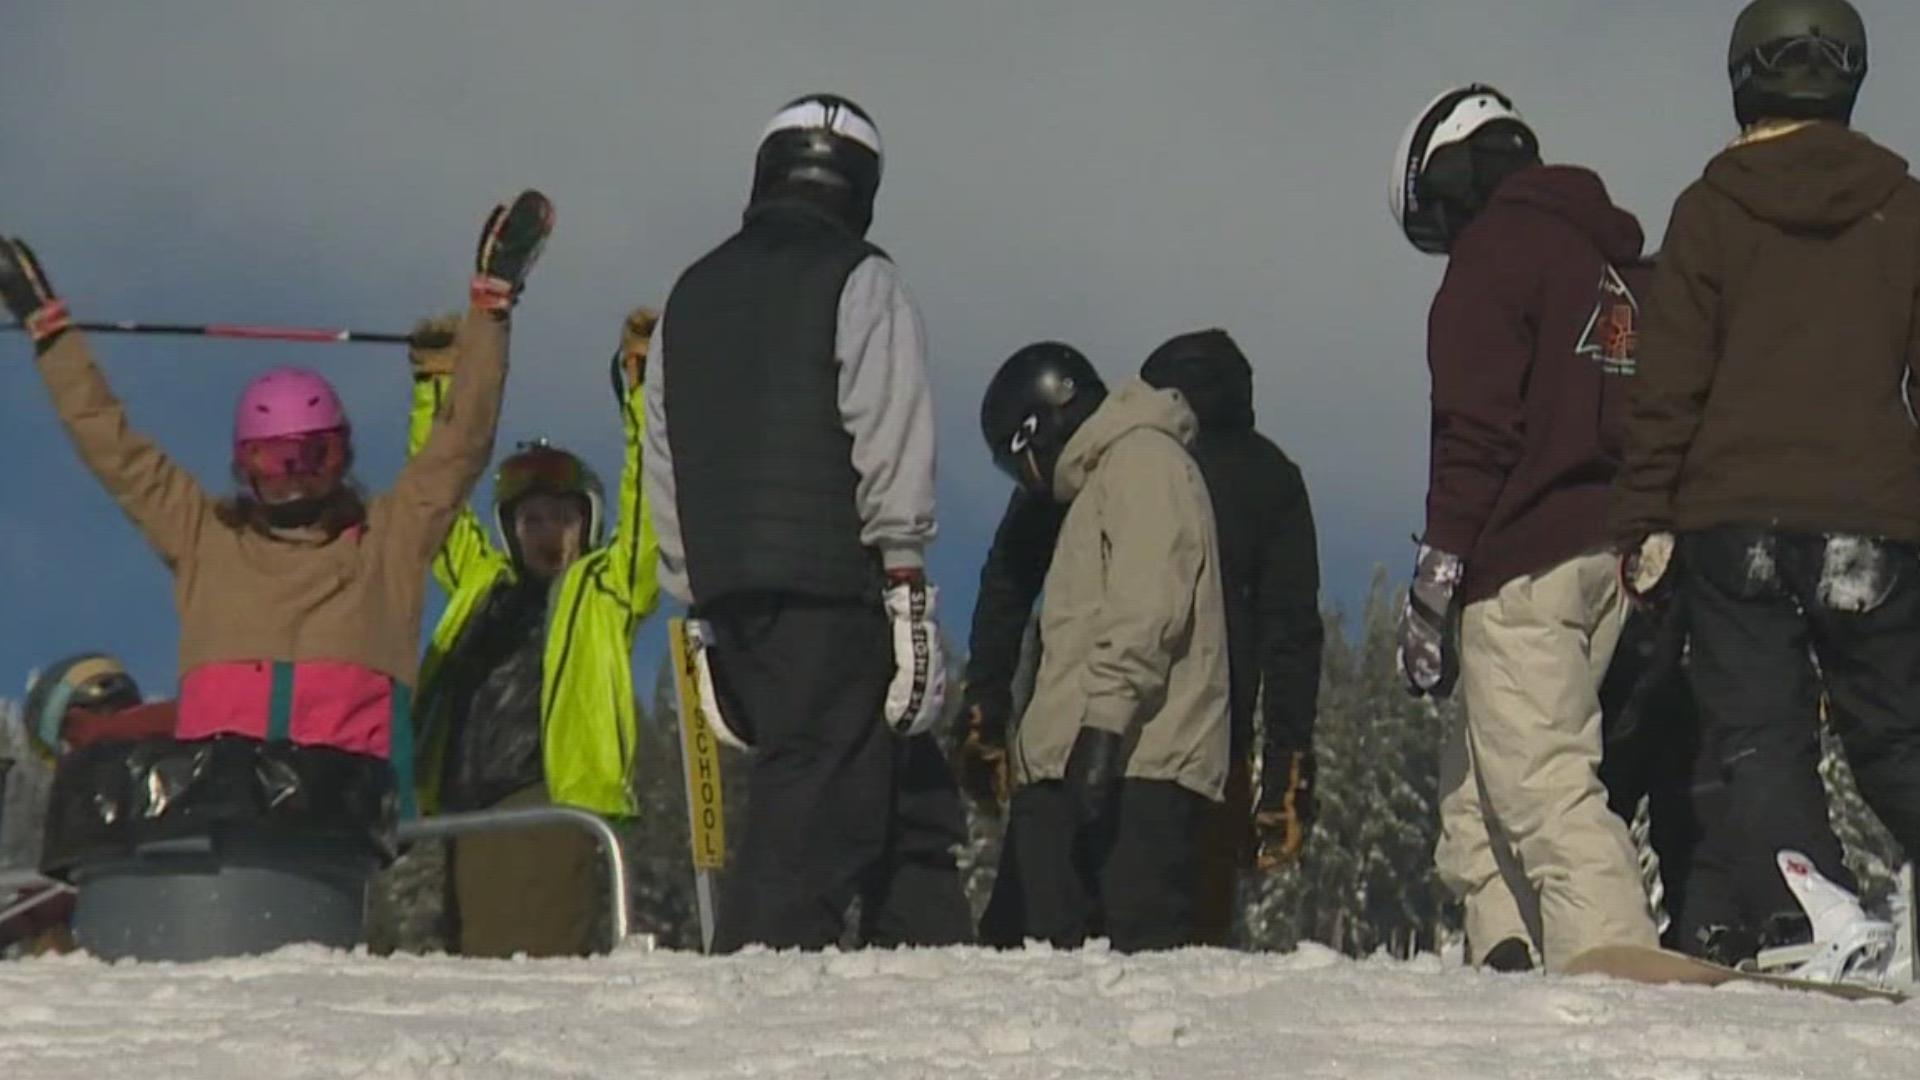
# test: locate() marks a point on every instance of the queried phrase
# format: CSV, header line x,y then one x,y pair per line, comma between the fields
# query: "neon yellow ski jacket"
x,y
587,712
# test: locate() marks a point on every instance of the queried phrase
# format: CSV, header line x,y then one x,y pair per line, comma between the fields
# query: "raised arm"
x,y
633,554
467,549
435,483
162,499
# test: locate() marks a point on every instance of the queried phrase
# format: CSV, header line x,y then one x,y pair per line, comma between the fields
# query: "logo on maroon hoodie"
x,y
1612,336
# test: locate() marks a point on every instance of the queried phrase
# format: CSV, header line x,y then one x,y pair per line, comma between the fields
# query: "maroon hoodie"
x,y
1531,342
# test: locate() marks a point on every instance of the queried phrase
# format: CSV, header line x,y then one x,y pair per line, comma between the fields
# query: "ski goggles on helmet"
x,y
1810,50
539,468
113,690
316,454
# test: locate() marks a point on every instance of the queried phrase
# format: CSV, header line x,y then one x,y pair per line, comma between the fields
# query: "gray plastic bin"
x,y
202,899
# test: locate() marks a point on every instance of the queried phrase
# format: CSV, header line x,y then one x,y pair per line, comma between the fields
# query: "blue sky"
x,y
1110,172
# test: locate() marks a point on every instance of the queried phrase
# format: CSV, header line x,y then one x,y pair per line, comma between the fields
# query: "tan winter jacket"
x,y
292,635
1133,623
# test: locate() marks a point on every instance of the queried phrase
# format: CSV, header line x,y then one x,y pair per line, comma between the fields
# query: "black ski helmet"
x,y
826,149
1036,401
1450,160
91,680
1797,60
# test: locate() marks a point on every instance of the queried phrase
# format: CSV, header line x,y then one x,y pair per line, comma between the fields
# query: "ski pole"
x,y
241,331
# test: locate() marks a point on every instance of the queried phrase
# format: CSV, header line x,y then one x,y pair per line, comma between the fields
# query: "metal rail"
x,y
13,883
440,826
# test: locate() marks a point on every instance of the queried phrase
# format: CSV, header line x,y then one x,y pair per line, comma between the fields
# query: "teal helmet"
x,y
93,681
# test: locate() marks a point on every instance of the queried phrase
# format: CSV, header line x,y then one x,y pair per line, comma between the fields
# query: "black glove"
x,y
510,243
980,760
1095,767
28,295
1286,810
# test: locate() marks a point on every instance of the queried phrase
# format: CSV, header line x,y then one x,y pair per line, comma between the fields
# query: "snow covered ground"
x,y
306,1012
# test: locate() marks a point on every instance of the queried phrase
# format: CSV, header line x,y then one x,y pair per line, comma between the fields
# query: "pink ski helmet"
x,y
286,402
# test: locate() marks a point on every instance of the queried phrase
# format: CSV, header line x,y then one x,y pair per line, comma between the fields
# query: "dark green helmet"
x,y
1797,59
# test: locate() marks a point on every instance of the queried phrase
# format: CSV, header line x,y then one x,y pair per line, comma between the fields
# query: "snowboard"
x,y
1646,965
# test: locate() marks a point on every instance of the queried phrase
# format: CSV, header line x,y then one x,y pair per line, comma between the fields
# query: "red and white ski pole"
x,y
240,331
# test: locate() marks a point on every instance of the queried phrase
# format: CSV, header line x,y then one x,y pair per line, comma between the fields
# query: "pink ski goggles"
x,y
320,454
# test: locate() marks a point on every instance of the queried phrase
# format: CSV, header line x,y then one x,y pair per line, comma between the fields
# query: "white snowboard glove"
x,y
700,646
1644,569
919,686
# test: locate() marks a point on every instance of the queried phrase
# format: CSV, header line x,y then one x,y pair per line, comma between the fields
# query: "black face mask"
x,y
1032,468
298,514
1461,179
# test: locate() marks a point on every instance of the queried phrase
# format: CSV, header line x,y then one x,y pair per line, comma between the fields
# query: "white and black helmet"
x,y
1426,175
828,143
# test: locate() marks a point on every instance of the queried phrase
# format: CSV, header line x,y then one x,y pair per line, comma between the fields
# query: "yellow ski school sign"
x,y
701,754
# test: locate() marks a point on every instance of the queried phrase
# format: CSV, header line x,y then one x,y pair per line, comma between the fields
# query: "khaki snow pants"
x,y
1476,861
533,891
1531,662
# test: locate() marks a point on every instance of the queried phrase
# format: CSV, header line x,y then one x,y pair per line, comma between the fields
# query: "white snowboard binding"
x,y
1847,945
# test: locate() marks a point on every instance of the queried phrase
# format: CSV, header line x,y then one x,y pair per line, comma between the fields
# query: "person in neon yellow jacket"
x,y
526,692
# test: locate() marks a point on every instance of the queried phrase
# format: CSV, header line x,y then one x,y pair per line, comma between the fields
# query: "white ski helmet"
x,y
825,142
1448,120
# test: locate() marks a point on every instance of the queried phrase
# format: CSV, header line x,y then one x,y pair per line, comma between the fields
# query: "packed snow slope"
x,y
306,1012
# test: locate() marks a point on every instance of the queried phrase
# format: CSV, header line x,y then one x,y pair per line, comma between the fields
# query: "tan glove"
x,y
1644,568
636,337
1287,808
430,346
980,762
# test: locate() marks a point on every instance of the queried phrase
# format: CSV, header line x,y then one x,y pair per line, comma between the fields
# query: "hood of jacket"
x,y
1818,176
1135,406
1211,372
1578,197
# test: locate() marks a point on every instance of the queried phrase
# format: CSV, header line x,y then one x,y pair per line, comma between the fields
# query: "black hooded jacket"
x,y
1269,560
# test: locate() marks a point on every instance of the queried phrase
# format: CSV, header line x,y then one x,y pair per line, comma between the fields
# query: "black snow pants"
x,y
1655,749
838,807
1776,618
1132,879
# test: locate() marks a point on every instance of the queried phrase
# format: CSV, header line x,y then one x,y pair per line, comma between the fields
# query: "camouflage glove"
x,y
1286,811
980,761
430,349
1427,653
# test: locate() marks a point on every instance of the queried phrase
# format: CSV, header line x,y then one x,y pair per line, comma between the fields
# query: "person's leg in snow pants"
x,y
1224,846
914,897
1135,878
533,891
1476,861
1532,659
1763,605
837,806
1654,751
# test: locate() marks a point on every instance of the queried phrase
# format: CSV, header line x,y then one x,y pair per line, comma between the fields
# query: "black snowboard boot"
x,y
1509,956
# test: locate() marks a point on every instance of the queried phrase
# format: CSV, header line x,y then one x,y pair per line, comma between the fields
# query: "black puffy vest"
x,y
763,466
